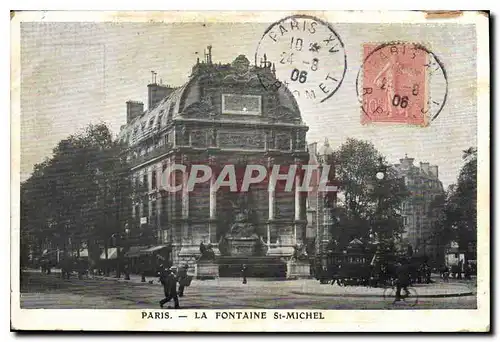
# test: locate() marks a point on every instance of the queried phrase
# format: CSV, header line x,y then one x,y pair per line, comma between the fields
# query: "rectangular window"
x,y
164,208
241,104
145,181
153,180
153,208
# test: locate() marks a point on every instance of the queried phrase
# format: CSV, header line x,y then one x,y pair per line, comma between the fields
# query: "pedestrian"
x,y
66,268
183,279
459,269
446,273
169,281
143,271
427,273
467,272
403,279
244,273
126,270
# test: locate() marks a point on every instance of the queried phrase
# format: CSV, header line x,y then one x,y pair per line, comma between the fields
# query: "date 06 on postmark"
x,y
401,83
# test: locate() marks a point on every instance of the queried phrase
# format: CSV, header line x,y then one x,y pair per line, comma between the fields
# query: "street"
x,y
51,292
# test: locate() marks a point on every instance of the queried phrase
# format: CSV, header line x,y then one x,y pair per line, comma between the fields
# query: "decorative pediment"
x,y
247,79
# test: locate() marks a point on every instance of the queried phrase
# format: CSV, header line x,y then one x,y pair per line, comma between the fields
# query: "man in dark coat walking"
x,y
244,273
403,279
183,279
169,282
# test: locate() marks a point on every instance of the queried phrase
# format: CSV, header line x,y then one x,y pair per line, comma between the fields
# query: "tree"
x,y
461,206
367,205
81,194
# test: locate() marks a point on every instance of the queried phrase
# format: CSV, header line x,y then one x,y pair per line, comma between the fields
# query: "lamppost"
x,y
380,175
374,236
126,268
120,239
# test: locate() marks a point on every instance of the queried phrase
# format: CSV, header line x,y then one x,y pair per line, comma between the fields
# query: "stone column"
x,y
189,250
319,218
271,201
185,194
213,192
298,203
212,224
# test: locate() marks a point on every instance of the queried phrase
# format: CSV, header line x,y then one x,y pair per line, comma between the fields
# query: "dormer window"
x,y
143,126
171,109
151,122
158,122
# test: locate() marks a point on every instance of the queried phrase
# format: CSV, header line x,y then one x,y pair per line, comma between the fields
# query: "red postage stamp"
x,y
395,84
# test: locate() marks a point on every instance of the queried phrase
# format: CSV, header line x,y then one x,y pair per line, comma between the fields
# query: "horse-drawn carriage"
x,y
360,264
363,264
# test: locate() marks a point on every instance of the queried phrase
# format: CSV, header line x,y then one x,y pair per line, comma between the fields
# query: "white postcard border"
x,y
335,320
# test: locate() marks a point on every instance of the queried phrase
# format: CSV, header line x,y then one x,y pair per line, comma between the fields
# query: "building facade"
x,y
424,185
320,205
222,116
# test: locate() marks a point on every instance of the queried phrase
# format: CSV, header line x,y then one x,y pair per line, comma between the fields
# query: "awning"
x,y
112,253
135,251
153,249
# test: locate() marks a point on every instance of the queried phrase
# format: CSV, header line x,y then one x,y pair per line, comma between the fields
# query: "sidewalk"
x,y
437,290
134,278
312,287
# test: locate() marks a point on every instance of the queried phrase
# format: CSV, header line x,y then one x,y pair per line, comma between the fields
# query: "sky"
x,y
73,74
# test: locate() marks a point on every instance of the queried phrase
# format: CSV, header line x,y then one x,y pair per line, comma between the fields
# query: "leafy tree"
x,y
368,206
82,194
461,207
456,211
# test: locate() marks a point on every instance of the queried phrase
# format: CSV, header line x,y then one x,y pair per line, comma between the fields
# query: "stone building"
x,y
320,205
424,184
222,115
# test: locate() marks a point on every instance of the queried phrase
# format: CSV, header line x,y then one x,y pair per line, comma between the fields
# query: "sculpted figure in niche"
x,y
242,228
213,137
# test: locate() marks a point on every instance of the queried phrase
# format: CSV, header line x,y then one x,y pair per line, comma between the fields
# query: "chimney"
x,y
434,171
424,167
406,162
134,109
156,93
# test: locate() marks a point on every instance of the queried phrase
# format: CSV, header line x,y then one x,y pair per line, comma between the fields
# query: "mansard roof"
x,y
188,101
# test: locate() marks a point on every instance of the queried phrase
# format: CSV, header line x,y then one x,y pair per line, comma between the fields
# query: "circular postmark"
x,y
304,54
401,82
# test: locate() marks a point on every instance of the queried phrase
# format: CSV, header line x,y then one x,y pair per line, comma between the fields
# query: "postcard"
x,y
250,171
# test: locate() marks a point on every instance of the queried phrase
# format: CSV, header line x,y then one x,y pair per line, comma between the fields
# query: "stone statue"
x,y
299,252
241,227
207,252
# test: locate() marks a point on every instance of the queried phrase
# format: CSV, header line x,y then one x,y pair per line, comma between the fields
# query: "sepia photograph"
x,y
247,171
